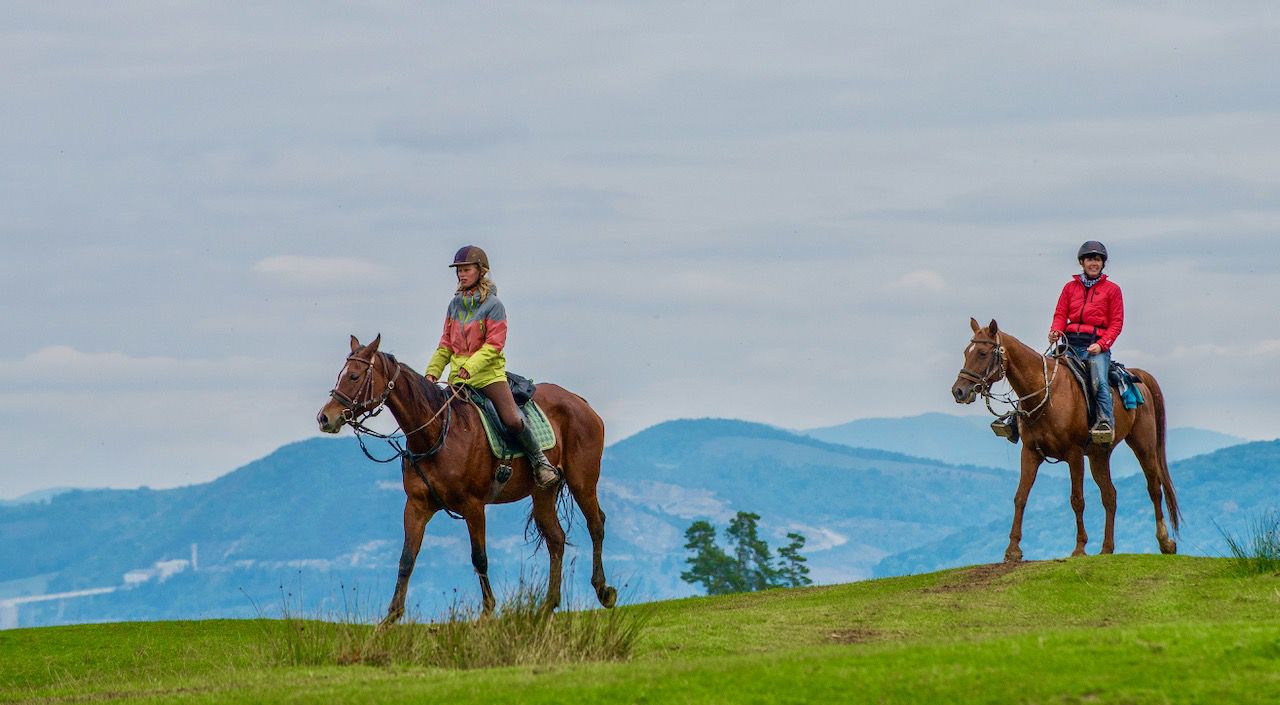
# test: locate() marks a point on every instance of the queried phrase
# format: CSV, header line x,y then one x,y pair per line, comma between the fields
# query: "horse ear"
x,y
993,328
373,347
973,323
355,344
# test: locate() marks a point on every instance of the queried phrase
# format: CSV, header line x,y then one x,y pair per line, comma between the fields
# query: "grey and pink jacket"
x,y
475,333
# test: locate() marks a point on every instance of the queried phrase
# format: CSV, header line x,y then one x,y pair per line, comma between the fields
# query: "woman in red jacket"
x,y
1090,315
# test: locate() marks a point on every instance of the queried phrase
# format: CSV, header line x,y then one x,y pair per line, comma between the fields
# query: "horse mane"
x,y
422,393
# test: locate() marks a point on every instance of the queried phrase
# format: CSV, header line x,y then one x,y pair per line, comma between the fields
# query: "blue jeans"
x,y
1099,368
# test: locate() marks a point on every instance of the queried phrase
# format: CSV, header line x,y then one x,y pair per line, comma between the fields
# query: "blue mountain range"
x,y
315,527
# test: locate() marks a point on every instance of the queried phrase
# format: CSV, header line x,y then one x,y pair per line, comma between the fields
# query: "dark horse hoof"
x,y
608,596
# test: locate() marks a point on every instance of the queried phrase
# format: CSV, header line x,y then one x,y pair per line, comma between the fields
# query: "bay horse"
x,y
447,464
1056,426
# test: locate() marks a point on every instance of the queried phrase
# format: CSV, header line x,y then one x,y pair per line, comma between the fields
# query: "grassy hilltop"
x,y
1101,629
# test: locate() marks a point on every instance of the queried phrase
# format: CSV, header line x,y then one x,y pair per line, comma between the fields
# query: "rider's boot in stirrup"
x,y
544,473
1102,433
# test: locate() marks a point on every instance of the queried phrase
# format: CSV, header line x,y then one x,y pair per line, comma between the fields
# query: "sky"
x,y
779,212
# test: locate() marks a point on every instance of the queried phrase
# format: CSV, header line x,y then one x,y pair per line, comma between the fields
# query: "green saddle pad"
x,y
537,421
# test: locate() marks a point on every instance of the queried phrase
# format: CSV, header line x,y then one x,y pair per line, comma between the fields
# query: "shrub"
x,y
1258,551
519,632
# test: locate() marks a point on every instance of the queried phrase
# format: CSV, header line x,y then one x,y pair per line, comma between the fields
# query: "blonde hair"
x,y
483,287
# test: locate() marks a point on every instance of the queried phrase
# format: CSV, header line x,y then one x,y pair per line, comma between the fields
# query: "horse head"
x,y
983,363
362,387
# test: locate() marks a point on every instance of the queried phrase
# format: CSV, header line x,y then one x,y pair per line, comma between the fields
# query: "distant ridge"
x,y
316,515
968,440
1221,491
680,435
36,497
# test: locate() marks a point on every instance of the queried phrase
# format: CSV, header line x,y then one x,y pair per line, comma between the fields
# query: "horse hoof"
x,y
1077,552
608,597
1013,555
1168,547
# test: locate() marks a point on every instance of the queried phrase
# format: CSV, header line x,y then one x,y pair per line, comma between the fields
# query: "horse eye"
x,y
353,376
982,354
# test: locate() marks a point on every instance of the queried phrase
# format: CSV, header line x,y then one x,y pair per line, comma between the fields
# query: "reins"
x,y
355,416
997,366
996,370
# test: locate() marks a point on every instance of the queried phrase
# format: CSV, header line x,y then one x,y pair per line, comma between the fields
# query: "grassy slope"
x,y
1122,629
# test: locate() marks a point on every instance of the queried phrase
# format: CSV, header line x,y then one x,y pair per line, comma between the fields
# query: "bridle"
x,y
996,371
355,413
995,366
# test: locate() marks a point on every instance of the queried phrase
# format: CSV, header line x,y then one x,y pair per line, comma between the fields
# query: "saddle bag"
x,y
1127,384
522,388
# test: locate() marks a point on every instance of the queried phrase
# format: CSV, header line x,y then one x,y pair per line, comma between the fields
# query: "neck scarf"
x,y
1084,279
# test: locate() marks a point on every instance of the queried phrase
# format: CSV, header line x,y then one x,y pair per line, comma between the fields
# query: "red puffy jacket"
x,y
1098,309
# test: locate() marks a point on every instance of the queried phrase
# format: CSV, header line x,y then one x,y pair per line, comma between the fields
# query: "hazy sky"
x,y
782,212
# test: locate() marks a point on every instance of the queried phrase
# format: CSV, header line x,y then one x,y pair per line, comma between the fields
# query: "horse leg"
x,y
416,516
544,514
1030,466
1100,466
474,516
584,493
1144,450
1076,465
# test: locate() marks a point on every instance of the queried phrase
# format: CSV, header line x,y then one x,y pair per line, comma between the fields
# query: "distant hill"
x,y
37,496
968,440
316,519
1221,491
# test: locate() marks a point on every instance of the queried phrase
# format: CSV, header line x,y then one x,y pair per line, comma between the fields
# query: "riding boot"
x,y
544,473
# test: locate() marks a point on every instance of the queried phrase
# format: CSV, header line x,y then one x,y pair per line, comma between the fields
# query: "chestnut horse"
x,y
447,463
1052,421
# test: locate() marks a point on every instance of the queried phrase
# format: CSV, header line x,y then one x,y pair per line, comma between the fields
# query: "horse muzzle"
x,y
964,392
331,418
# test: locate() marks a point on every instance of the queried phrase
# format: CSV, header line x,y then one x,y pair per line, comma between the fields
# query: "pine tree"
x,y
748,566
752,562
709,564
792,570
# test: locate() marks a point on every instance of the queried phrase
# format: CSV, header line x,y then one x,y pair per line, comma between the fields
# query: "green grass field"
x,y
1099,629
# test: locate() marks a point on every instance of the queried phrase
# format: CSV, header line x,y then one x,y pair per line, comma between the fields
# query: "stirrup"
x,y
1006,427
1102,434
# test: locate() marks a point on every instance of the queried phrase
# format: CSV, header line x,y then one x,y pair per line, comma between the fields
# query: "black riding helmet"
x,y
1092,247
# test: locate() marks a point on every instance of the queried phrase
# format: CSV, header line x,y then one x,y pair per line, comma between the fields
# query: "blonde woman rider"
x,y
475,333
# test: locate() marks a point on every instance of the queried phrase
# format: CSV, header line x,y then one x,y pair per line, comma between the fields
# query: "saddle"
x,y
1123,383
502,441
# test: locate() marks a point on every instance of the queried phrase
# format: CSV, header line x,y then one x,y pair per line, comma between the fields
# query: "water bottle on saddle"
x,y
1089,317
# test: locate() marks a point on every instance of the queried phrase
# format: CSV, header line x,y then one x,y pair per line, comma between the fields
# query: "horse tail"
x,y
564,511
1166,479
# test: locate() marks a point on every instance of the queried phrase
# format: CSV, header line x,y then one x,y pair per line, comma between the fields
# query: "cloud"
x,y
818,538
921,279
62,367
298,270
